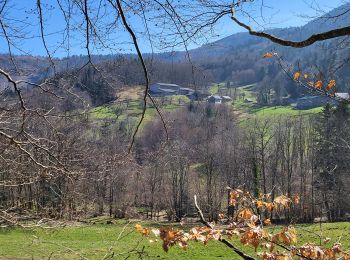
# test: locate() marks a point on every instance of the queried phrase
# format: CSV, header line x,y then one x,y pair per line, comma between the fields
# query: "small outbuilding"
x,y
214,99
342,95
166,89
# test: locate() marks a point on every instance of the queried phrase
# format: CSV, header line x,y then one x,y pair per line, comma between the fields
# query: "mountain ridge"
x,y
235,58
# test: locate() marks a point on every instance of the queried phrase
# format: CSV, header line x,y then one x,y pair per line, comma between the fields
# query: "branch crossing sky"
x,y
277,13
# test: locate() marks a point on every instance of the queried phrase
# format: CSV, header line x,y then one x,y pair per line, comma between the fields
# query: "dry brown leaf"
x,y
282,200
245,214
318,84
331,84
268,55
296,75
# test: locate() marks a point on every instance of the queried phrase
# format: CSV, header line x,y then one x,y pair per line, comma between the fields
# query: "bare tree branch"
x,y
297,44
43,35
145,72
222,240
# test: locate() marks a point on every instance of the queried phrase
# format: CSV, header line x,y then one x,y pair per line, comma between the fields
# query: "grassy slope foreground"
x,y
101,240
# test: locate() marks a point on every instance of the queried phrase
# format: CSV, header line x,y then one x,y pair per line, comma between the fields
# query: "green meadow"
x,y
120,241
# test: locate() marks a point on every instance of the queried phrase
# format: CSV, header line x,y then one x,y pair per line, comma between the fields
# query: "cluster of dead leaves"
x,y
257,236
288,236
263,202
329,87
248,227
318,83
171,236
235,195
274,256
144,231
312,251
254,236
308,251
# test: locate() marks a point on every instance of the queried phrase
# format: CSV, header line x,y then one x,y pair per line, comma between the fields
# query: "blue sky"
x,y
277,13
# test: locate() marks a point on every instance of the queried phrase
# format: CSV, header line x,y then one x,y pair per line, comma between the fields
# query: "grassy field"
x,y
102,240
129,103
245,106
249,106
276,111
247,103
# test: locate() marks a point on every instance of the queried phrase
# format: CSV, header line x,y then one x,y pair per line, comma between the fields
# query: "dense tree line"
x,y
281,155
88,173
73,166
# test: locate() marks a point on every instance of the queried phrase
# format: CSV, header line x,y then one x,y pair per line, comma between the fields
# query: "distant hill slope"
x,y
235,59
241,42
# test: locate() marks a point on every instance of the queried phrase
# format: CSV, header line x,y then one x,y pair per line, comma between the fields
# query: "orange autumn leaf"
x,y
270,206
290,234
346,256
141,230
268,55
296,75
306,76
146,232
329,253
170,237
138,227
267,221
250,232
287,236
311,251
251,237
318,84
282,200
234,195
245,213
259,204
331,84
274,256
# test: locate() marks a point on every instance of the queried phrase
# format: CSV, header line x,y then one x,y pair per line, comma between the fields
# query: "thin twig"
x,y
222,240
145,72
